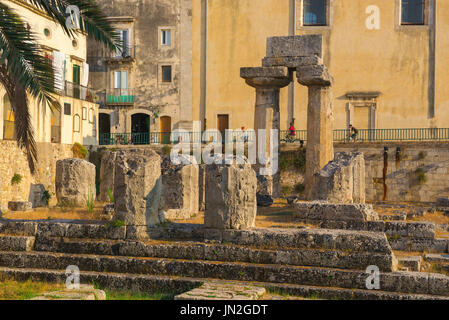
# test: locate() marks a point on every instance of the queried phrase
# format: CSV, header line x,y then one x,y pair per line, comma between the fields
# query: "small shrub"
x,y
421,155
286,190
111,196
421,176
117,223
46,196
90,202
166,150
300,161
79,151
300,187
16,179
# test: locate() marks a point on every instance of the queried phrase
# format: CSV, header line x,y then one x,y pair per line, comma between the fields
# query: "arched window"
x,y
9,130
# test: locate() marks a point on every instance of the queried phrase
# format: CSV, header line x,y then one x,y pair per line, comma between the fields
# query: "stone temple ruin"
x,y
285,56
326,256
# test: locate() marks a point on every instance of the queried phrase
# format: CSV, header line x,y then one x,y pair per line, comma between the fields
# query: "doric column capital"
x,y
266,77
314,75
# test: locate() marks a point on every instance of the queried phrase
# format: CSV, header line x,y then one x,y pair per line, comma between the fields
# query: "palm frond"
x,y
92,20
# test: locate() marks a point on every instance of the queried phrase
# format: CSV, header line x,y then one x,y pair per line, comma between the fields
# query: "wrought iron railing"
x,y
77,91
127,52
342,136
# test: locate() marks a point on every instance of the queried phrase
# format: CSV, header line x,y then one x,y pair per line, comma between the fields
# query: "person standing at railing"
x,y
244,135
353,133
292,131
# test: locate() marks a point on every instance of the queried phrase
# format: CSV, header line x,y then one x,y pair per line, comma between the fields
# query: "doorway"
x,y
140,128
223,125
165,129
105,128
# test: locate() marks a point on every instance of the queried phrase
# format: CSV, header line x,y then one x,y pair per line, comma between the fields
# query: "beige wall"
x,y
393,60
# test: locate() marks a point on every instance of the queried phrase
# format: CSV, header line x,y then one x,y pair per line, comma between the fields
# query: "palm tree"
x,y
23,68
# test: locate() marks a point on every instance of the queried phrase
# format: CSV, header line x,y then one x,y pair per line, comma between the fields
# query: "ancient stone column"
x,y
320,144
75,182
231,201
268,81
137,191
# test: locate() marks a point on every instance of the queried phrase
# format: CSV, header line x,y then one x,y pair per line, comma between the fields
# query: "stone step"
x,y
401,282
356,241
84,292
442,258
16,243
413,263
217,290
345,259
179,285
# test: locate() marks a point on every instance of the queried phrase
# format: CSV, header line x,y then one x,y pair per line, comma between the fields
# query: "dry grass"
x,y
437,218
68,213
14,290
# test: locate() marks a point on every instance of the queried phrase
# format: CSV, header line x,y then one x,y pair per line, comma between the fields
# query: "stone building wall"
x,y
145,20
420,172
14,161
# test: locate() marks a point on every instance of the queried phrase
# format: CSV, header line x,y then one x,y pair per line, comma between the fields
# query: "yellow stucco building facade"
x,y
388,60
77,120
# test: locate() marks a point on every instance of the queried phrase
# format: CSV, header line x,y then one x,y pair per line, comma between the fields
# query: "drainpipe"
x,y
291,87
203,107
432,58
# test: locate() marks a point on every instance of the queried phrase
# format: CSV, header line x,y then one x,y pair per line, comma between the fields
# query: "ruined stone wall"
x,y
419,173
14,161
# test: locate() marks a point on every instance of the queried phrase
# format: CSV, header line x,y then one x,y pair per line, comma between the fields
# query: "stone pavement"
x,y
85,292
219,290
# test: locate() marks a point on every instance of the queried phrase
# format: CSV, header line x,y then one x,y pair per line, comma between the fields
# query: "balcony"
x,y
77,91
116,97
126,55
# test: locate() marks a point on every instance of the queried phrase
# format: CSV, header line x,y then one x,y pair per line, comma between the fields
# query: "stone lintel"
x,y
314,75
264,72
291,62
293,46
270,78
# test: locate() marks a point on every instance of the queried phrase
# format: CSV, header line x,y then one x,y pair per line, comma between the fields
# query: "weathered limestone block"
x,y
291,62
107,174
20,205
314,75
202,187
293,46
37,195
75,181
443,202
180,190
137,190
341,180
325,211
231,201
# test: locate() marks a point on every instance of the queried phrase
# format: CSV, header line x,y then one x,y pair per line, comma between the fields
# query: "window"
x,y
412,12
124,39
67,109
76,123
47,33
9,130
166,37
166,74
121,80
315,12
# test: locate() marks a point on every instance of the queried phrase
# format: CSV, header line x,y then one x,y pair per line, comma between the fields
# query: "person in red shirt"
x,y
292,130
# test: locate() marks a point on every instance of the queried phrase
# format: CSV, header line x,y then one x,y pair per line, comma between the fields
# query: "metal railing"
x,y
115,97
341,136
77,91
127,52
